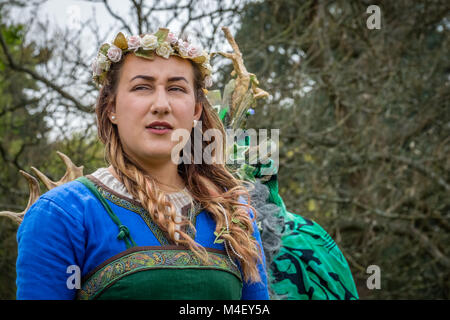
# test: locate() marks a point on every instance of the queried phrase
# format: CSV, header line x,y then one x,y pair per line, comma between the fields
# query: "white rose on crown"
x,y
149,42
207,66
183,47
96,70
134,42
164,50
100,64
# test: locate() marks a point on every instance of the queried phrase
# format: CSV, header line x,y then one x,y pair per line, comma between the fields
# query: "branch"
x,y
138,7
115,16
413,164
13,65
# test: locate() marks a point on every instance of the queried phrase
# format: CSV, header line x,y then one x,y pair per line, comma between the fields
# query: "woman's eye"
x,y
176,89
140,88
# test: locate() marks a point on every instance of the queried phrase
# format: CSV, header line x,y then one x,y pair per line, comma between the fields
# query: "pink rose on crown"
x,y
134,42
172,38
183,48
114,53
194,51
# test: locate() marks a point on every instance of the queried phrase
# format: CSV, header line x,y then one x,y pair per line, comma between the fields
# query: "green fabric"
x,y
124,233
175,284
164,272
309,264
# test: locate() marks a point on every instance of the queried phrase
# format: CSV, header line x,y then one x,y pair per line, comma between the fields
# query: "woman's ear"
x,y
112,111
198,110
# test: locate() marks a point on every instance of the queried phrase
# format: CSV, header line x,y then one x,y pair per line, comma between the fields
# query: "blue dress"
x,y
68,229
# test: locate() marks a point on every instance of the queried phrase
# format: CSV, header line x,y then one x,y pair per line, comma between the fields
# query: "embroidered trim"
x,y
133,206
158,233
148,259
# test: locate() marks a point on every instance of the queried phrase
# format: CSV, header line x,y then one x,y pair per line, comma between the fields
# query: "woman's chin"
x,y
158,154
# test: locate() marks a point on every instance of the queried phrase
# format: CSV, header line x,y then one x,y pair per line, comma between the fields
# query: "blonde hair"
x,y
212,185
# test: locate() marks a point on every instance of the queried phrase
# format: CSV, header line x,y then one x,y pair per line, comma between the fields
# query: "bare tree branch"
x,y
13,65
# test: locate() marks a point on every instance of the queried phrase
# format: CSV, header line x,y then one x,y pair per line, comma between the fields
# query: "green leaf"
x,y
162,34
222,113
104,48
254,80
147,54
120,41
258,224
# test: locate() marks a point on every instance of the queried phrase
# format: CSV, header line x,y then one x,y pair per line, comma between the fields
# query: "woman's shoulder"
x,y
73,191
69,200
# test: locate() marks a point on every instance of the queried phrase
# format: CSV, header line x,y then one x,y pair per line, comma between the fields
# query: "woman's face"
x,y
151,91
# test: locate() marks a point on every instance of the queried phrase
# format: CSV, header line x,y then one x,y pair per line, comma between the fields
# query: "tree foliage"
x,y
24,139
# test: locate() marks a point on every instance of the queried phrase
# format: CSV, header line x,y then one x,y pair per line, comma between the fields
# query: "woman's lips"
x,y
159,131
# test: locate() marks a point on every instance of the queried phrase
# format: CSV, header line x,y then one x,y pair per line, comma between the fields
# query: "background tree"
x,y
24,137
364,128
22,141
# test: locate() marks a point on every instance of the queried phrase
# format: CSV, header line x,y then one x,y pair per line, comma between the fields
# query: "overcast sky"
x,y
62,14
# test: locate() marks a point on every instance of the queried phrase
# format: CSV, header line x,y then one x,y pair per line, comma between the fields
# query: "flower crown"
x,y
163,43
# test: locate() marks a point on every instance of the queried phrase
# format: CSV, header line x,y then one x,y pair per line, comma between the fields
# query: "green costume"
x,y
307,264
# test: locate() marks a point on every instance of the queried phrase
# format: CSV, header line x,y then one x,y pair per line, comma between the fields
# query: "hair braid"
x,y
143,188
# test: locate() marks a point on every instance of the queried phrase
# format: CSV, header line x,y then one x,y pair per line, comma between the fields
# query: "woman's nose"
x,y
161,103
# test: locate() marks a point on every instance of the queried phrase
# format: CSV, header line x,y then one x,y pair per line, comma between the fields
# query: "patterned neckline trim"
x,y
111,182
189,211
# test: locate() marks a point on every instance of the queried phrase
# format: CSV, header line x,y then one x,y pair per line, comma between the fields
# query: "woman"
x,y
146,227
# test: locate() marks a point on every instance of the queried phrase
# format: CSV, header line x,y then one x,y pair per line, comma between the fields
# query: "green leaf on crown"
x,y
162,34
199,59
120,41
104,48
147,54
